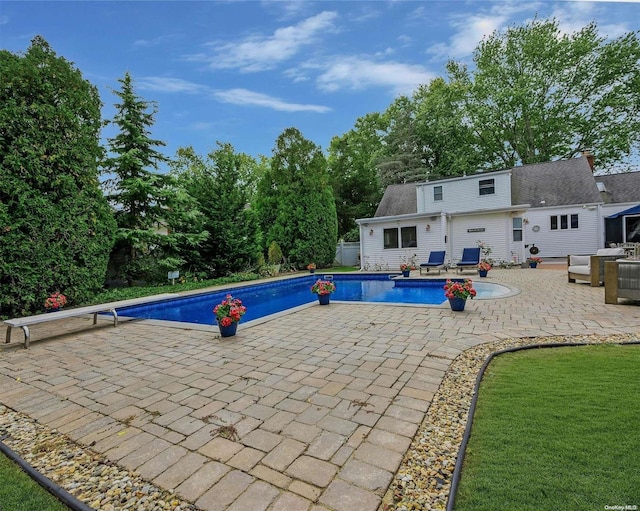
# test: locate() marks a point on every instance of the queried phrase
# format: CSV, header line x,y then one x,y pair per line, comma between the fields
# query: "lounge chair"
x,y
470,259
435,262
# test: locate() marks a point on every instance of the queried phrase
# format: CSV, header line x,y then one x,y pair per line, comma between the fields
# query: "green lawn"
x,y
554,429
18,492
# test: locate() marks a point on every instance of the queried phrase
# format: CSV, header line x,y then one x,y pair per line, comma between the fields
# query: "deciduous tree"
x,y
353,173
537,94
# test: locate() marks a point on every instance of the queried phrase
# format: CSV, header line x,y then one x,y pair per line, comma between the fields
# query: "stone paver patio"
x,y
311,411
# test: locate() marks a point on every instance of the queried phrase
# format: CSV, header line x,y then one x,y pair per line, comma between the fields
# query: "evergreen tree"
x,y
147,202
295,203
220,186
55,225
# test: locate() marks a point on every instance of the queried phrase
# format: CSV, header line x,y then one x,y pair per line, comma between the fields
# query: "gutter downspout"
x,y
445,228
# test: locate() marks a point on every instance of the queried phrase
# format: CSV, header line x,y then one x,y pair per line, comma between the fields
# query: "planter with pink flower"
x,y
483,268
228,314
458,292
406,268
323,288
534,261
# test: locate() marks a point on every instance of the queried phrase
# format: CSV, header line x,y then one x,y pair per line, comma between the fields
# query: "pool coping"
x,y
513,291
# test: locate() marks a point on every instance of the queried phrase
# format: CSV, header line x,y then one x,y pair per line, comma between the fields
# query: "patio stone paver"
x,y
324,402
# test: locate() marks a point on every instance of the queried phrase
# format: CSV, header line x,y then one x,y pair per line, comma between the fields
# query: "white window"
x,y
517,229
409,237
437,193
564,222
391,238
487,187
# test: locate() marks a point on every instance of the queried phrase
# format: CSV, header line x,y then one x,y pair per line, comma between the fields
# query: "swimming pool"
x,y
269,298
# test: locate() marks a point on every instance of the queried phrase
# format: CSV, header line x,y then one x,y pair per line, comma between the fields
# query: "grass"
x,y
556,429
126,293
18,492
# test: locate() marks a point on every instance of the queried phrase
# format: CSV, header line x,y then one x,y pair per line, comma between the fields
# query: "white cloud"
x,y
573,18
250,98
202,126
170,85
359,73
260,53
470,30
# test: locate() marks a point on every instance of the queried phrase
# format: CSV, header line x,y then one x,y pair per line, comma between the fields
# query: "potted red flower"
x,y
534,261
406,268
457,292
483,268
323,288
228,314
55,302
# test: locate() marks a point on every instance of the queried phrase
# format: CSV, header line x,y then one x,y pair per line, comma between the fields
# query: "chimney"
x,y
587,154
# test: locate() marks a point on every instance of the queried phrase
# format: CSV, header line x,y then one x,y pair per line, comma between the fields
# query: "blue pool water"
x,y
268,298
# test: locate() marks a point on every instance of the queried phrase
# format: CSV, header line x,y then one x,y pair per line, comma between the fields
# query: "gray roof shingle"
x,y
549,184
556,183
623,187
398,200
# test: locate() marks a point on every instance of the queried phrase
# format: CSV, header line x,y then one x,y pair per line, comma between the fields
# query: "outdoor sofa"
x,y
590,268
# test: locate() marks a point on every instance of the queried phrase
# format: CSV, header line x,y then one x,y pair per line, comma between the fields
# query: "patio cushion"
x,y
580,260
610,251
580,269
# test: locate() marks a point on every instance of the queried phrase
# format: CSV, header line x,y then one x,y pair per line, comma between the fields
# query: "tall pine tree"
x,y
146,200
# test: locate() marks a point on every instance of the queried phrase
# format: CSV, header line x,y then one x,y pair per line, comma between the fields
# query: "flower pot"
x,y
324,299
483,273
457,304
228,331
53,309
406,273
533,265
312,270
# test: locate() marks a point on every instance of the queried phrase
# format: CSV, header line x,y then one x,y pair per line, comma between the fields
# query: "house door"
x,y
517,240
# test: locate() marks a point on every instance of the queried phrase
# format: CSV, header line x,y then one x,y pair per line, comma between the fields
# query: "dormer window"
x,y
437,193
487,187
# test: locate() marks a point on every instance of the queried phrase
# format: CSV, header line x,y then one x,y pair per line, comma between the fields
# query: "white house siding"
x,y
462,194
586,239
612,209
496,234
375,256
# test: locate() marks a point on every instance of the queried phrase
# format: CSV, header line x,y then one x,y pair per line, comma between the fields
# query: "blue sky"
x,y
243,71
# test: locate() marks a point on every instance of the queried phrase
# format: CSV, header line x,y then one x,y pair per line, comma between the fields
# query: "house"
x,y
549,209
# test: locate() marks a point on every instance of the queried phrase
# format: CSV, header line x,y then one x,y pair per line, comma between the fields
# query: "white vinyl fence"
x,y
348,253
